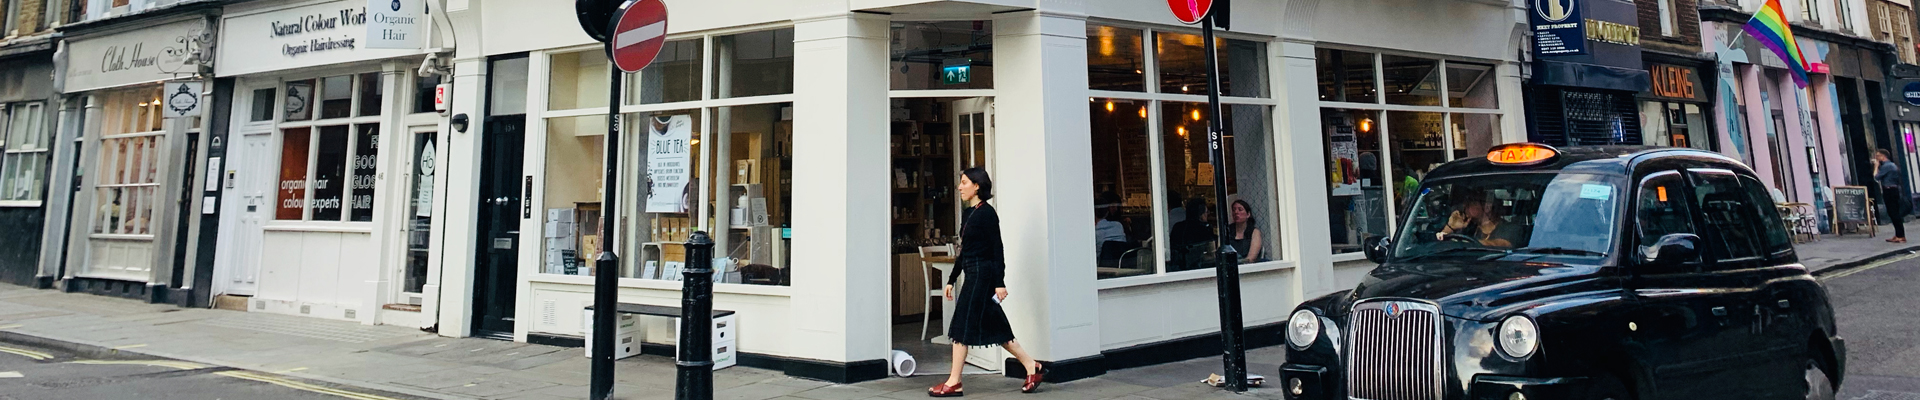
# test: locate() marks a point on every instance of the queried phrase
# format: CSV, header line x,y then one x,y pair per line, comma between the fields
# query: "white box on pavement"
x,y
624,345
724,342
623,323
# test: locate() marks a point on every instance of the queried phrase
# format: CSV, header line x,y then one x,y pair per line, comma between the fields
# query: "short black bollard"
x,y
1232,329
696,322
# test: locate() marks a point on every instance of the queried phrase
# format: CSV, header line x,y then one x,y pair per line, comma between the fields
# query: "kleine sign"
x,y
1190,11
1674,82
638,34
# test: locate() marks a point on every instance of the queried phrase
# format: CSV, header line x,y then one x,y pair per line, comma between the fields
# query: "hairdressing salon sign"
x,y
134,57
327,33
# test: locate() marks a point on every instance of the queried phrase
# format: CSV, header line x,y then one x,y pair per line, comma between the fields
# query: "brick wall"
x,y
1685,36
29,18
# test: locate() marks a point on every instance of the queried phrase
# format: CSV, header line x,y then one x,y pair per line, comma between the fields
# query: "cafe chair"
x,y
928,279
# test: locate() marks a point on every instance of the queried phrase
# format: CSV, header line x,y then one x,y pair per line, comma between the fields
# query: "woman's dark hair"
x,y
980,178
1251,220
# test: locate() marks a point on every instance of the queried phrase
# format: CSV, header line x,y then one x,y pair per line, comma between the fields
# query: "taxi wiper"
x,y
1559,251
1459,250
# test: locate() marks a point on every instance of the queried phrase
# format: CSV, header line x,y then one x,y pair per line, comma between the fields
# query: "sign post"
x,y
1227,272
633,32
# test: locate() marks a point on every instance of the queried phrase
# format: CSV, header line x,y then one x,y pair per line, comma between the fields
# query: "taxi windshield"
x,y
1516,217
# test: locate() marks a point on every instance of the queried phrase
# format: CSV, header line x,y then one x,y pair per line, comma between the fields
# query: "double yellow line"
x,y
35,355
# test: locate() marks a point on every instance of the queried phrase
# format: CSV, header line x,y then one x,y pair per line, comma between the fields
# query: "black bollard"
x,y
695,363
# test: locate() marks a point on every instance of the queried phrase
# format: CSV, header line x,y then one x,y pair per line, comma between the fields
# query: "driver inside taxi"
x,y
1475,221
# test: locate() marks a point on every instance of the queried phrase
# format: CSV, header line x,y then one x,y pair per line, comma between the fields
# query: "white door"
x,y
247,187
973,132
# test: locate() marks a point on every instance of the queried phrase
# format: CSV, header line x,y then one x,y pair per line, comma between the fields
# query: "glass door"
x,y
419,218
973,134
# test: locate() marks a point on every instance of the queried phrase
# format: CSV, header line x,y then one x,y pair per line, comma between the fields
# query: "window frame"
x,y
1640,241
353,123
1380,107
540,109
1155,100
9,114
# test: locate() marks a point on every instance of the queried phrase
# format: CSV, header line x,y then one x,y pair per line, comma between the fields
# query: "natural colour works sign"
x,y
320,34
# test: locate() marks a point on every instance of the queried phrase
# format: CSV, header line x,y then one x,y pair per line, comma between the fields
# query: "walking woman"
x,y
978,320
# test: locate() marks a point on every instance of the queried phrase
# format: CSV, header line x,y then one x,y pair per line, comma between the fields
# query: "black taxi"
x,y
1575,273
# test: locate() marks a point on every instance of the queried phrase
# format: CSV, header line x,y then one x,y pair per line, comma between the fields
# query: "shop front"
x,y
1587,71
822,153
1903,108
27,114
132,207
329,178
1675,108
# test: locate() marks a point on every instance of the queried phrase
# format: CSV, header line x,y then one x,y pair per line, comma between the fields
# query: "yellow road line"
x,y
1875,264
180,365
131,346
300,385
35,355
11,326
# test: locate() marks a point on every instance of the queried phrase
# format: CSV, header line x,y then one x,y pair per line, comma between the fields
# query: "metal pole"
x,y
695,378
1227,272
606,268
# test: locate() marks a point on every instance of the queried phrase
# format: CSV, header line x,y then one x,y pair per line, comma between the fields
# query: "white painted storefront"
x,y
835,117
330,184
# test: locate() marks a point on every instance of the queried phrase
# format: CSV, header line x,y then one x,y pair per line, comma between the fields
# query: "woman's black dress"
x,y
977,320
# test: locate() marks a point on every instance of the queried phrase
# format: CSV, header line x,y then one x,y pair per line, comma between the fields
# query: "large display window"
x,y
692,161
1153,174
329,148
1386,120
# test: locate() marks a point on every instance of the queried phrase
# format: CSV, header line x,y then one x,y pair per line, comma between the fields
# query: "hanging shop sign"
x,y
669,157
182,99
139,56
1911,92
396,24
319,34
1558,28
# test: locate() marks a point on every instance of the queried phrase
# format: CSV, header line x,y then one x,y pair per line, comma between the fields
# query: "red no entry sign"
x,y
1190,11
640,30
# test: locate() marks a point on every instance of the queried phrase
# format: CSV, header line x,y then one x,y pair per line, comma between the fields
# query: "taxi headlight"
x,y
1519,337
1302,329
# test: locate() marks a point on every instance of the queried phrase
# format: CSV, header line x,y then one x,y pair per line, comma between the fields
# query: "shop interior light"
x,y
1183,131
1366,125
1109,106
1196,115
1143,111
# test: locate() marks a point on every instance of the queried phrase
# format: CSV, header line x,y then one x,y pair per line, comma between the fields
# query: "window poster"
x,y
293,174
668,163
1343,167
366,158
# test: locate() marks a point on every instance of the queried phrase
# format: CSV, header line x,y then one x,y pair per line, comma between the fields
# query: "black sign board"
x,y
1558,28
1850,204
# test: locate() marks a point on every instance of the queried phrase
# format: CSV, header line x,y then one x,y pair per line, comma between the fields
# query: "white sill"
x,y
1198,274
20,203
672,286
357,227
1345,257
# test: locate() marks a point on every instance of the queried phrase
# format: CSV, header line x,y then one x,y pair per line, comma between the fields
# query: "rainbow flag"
x,y
1769,26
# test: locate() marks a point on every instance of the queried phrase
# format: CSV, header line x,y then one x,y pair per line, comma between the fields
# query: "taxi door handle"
x,y
1719,311
1783,303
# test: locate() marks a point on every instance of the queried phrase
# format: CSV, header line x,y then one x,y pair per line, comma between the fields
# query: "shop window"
x,y
1189,173
1116,59
1182,63
752,192
423,93
1417,145
674,75
127,174
667,203
299,100
575,172
753,64
1474,134
1471,85
366,162
941,55
336,96
1356,195
372,92
294,145
577,80
1123,209
23,169
262,110
329,173
1346,76
1410,81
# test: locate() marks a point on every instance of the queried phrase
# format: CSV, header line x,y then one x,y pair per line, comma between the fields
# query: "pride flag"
x,y
1769,26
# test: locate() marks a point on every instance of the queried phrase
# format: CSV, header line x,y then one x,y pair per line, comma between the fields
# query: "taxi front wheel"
x,y
1819,386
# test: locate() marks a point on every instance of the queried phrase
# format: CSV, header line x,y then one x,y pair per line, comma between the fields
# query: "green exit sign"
x,y
957,72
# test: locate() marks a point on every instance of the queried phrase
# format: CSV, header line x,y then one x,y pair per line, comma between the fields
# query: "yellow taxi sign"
x,y
1521,154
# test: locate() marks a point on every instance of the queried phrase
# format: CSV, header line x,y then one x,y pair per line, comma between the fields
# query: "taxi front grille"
x,y
1395,355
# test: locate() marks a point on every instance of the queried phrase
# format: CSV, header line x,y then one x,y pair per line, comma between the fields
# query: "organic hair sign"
x,y
145,55
319,34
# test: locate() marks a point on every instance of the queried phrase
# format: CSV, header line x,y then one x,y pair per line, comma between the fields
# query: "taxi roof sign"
x,y
1521,154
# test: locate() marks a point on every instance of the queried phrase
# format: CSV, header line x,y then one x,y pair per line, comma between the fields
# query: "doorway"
x,y
502,144
932,140
251,176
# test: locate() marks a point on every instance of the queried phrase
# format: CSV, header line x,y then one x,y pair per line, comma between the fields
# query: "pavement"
x,y
387,362
34,372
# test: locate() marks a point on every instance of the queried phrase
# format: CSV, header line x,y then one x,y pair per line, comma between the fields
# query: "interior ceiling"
x,y
942,8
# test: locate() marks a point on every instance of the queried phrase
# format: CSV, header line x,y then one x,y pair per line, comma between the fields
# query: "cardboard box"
x,y
622,323
725,351
624,345
746,171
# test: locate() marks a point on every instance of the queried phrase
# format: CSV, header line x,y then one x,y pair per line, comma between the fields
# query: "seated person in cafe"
x,y
1110,236
1191,237
1475,220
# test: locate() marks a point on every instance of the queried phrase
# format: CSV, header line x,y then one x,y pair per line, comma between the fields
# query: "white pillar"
x,y
450,287
1301,141
1043,154
841,278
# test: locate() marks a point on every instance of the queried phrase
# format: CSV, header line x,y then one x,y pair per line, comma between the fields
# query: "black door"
x,y
502,143
1688,324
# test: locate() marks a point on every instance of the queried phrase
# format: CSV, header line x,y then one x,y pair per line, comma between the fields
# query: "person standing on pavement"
x,y
977,318
1888,176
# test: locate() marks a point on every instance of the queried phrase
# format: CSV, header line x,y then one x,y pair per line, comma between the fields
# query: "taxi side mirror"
x,y
1672,249
1376,248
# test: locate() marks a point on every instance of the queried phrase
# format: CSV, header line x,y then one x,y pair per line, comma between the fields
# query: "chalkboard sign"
x,y
1850,204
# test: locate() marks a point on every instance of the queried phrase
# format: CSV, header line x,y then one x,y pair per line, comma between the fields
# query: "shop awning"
x,y
1560,73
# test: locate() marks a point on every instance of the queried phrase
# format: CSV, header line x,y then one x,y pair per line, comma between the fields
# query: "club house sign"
x,y
319,23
